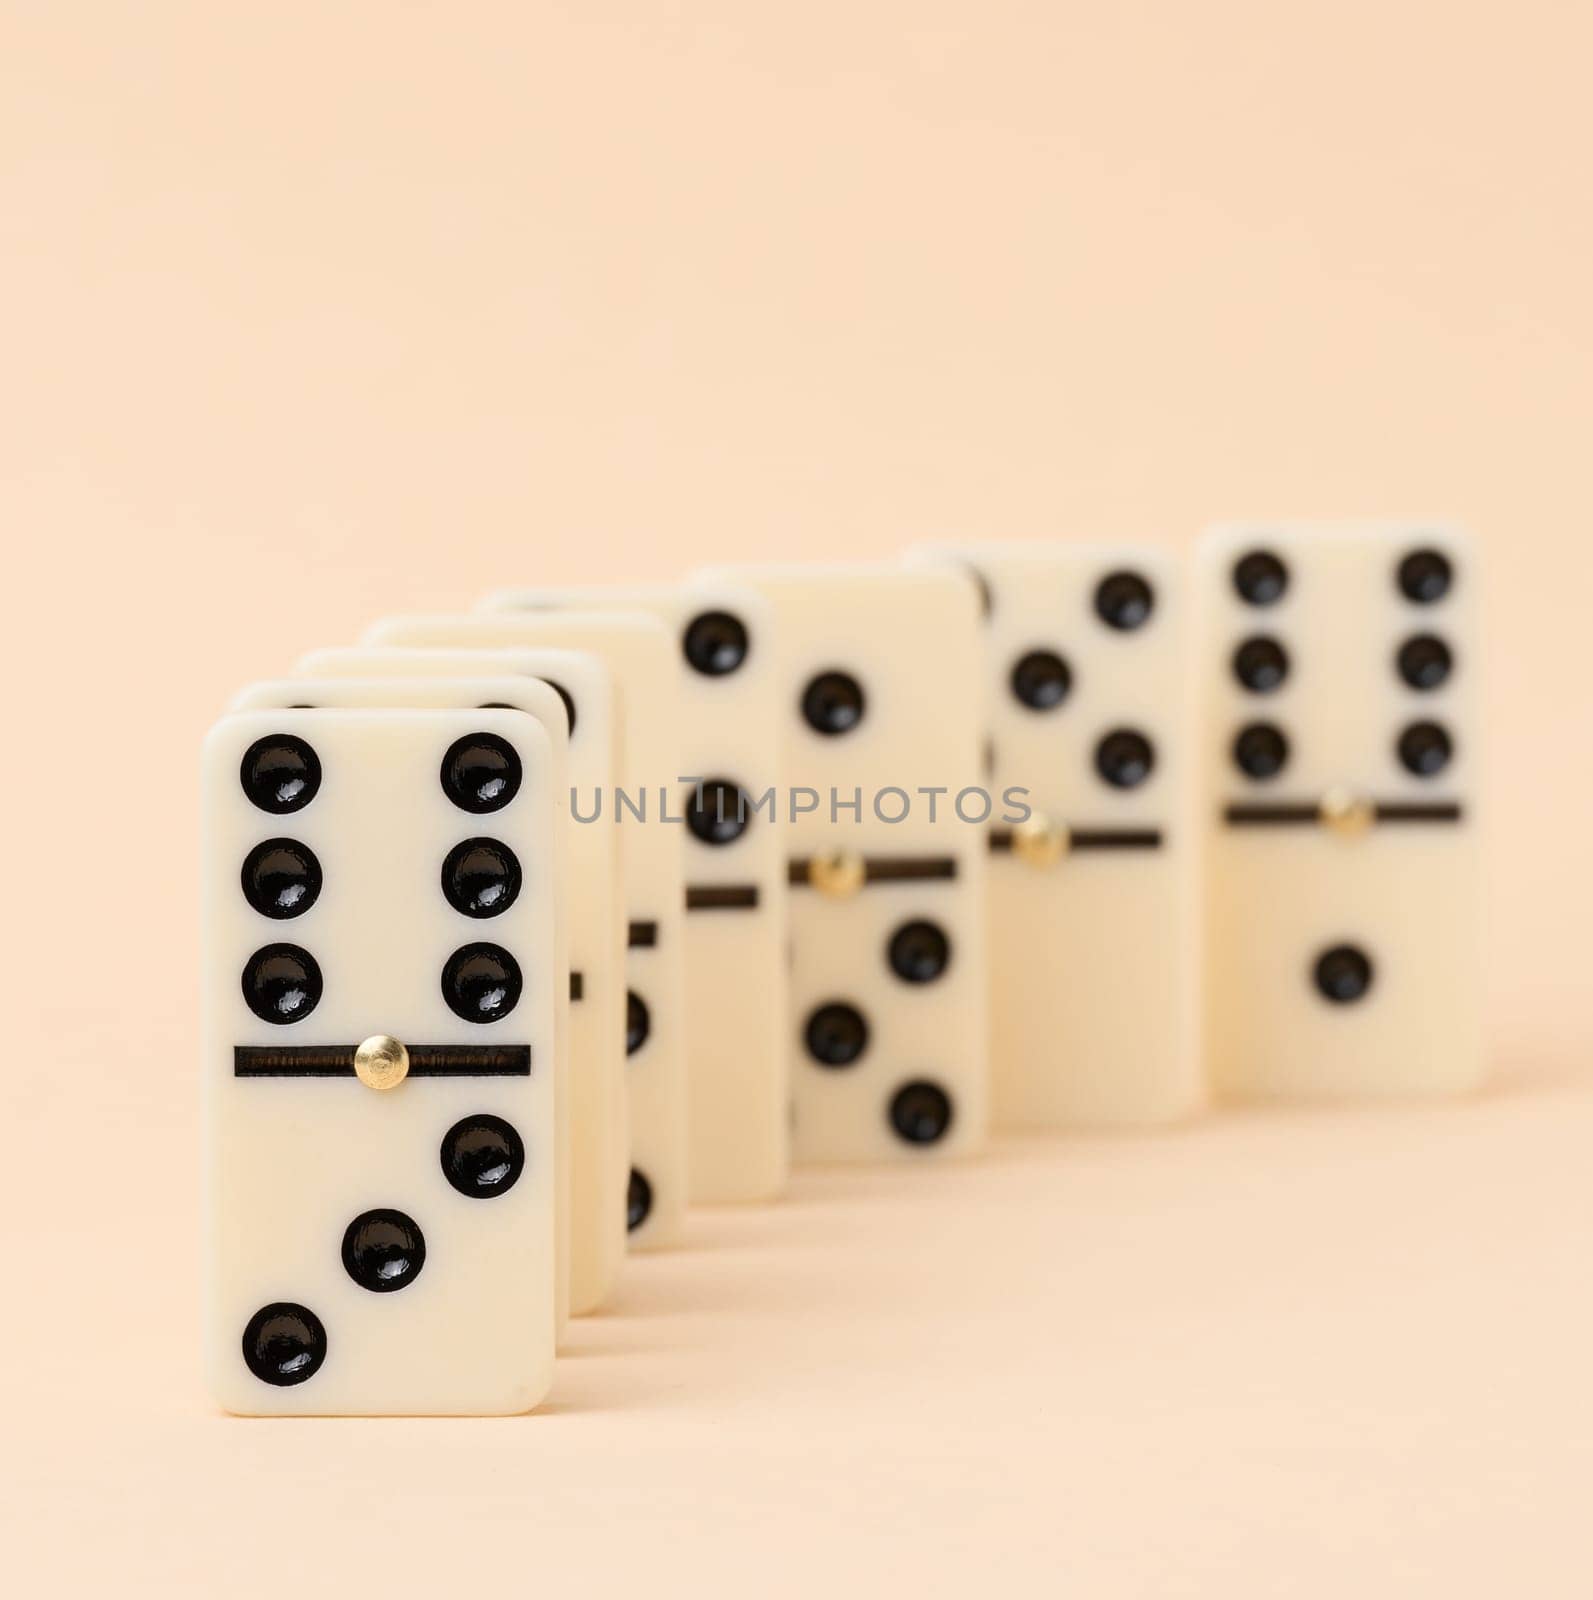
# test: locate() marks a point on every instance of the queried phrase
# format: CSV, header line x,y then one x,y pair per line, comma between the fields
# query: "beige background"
x,y
310,311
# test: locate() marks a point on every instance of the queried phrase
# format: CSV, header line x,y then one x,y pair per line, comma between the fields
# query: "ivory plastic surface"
x,y
292,1161
738,1122
1093,955
909,642
1383,905
638,653
599,1132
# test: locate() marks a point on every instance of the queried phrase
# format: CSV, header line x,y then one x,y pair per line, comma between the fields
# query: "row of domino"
x,y
806,863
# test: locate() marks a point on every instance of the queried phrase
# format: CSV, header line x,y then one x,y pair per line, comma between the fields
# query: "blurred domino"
x,y
879,696
378,1062
598,1132
737,1069
1339,747
638,653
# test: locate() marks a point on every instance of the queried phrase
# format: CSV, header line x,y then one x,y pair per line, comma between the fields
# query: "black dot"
x,y
482,1156
282,983
1260,578
638,1201
481,877
383,1251
1261,664
921,1112
284,1344
280,773
1124,600
833,703
481,982
717,812
987,596
1041,680
1124,758
919,952
715,643
281,878
1425,576
568,699
836,1034
481,772
1424,749
1260,750
1343,974
1424,661
638,1022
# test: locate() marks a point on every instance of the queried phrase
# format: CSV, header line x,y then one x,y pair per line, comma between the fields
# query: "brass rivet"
x,y
1040,842
1346,814
838,875
381,1062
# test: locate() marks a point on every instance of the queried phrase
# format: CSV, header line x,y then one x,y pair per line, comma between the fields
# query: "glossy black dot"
x,y
568,699
1343,974
1425,576
1124,600
383,1251
1260,578
1260,664
638,1201
1424,749
715,643
920,1112
481,982
481,772
1260,750
1124,758
1041,680
481,877
638,1022
717,812
284,1344
282,983
919,952
1424,661
281,878
836,1034
280,773
833,703
482,1156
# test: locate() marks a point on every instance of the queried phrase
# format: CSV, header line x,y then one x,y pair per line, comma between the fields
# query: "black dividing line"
x,y
641,935
722,897
1419,811
1000,839
1270,815
884,869
577,986
425,1061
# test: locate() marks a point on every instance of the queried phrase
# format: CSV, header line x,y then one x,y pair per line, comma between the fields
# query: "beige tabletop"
x,y
313,312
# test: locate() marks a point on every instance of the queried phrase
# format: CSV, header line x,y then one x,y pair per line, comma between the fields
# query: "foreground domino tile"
x,y
639,655
738,1122
879,670
1093,917
379,1092
1339,747
538,700
598,1128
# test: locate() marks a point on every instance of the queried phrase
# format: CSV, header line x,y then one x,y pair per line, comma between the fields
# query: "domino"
x,y
878,703
598,1132
1338,668
1093,911
637,652
379,983
737,1068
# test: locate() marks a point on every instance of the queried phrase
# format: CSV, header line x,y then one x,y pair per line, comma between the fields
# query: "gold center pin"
x,y
381,1062
1346,814
1040,842
838,875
